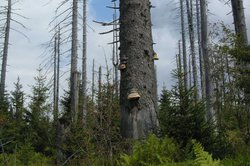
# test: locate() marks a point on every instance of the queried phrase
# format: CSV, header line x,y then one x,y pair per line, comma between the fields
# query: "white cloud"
x,y
25,56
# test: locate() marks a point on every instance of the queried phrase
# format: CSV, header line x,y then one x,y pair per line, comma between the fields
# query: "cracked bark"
x,y
138,117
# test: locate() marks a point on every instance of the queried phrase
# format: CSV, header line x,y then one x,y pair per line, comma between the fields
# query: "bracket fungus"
x,y
133,95
155,56
122,66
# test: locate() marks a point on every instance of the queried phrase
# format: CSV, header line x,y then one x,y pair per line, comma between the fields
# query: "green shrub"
x,y
153,151
25,155
239,160
203,158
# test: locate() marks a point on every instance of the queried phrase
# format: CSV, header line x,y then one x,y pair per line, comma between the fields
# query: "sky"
x,y
25,55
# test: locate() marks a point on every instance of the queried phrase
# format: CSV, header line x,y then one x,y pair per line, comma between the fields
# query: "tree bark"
x,y
84,64
199,49
180,72
5,51
115,50
99,100
192,45
138,117
239,20
99,87
55,80
241,31
58,71
74,72
210,114
184,49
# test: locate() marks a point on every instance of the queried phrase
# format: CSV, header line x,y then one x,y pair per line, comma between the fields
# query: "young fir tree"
x,y
17,100
39,114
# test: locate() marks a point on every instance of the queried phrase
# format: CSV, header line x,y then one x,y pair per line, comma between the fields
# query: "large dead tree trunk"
x,y
239,20
199,49
210,114
5,51
192,45
184,50
241,31
58,72
74,73
115,50
99,88
179,72
100,99
84,57
55,80
138,113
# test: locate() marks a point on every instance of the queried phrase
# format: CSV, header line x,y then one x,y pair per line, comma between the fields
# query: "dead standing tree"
x,y
201,65
115,57
5,50
210,114
115,44
67,19
8,11
239,20
241,31
189,6
57,74
84,64
74,75
184,52
137,101
55,109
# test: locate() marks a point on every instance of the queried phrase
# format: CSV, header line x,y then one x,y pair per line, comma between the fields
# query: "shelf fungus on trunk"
x,y
123,63
122,66
155,56
133,95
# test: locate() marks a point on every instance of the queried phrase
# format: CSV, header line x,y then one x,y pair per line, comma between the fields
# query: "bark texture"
x,y
184,52
210,114
5,51
58,72
199,49
241,31
55,81
115,58
239,20
84,64
74,73
192,47
138,117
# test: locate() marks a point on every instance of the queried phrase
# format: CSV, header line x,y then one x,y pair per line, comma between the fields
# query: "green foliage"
x,y
39,105
17,100
38,115
185,121
203,158
25,156
153,151
99,141
239,160
4,104
12,122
